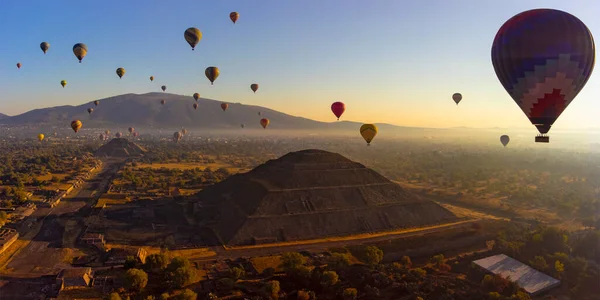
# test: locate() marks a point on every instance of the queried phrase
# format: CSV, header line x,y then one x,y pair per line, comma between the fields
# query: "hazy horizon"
x,y
303,55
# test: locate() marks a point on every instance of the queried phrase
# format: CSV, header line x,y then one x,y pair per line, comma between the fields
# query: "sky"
x,y
389,61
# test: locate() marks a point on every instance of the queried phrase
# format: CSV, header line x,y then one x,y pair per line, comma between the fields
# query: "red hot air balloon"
x,y
264,122
338,109
543,58
18,65
224,106
195,105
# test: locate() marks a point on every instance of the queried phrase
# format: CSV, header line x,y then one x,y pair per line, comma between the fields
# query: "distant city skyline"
x,y
389,61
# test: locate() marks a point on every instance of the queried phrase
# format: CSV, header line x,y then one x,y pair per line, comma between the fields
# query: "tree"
x,y
539,262
290,261
373,255
437,259
272,289
405,261
350,294
114,296
136,279
520,296
559,267
130,263
187,294
237,273
179,262
156,262
164,296
329,279
182,276
306,295
339,260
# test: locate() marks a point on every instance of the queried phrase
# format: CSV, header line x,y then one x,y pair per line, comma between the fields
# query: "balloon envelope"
x,y
457,97
504,139
192,35
234,16
76,125
338,109
212,73
264,122
196,96
120,72
254,87
543,58
224,106
45,46
368,132
80,50
40,136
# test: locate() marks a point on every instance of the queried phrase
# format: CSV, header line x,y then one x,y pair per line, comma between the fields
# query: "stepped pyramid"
x,y
120,147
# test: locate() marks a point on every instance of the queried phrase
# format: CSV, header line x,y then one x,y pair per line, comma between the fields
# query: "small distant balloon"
x,y
18,65
234,16
177,136
212,73
163,88
162,102
63,83
338,108
196,96
131,129
195,105
254,87
120,72
504,139
151,78
368,132
90,110
224,106
45,46
76,125
192,36
457,97
96,102
264,122
118,135
242,125
40,137
107,132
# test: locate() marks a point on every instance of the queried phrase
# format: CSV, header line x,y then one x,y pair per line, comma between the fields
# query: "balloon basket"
x,y
542,139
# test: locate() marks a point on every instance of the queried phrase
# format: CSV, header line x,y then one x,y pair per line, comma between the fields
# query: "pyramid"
x,y
120,147
311,194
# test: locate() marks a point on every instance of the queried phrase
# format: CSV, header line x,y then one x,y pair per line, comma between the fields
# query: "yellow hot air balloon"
x,y
120,72
151,78
76,125
368,132
196,96
63,83
80,50
192,36
212,73
40,137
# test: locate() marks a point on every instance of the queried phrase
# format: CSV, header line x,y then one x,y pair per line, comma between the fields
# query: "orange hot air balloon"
x,y
18,65
254,87
151,78
196,96
338,109
234,16
264,122
195,105
76,125
224,106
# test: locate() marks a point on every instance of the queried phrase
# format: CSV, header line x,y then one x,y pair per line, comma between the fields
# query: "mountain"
x,y
310,194
120,147
3,116
146,111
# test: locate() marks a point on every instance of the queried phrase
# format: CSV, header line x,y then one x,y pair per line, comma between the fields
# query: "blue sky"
x,y
390,61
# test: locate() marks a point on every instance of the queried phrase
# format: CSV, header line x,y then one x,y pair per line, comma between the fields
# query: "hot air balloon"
x,y
196,96
107,132
76,125
192,36
254,87
338,109
136,134
457,97
63,83
131,129
211,73
118,135
45,46
368,132
163,88
90,110
101,137
80,50
242,125
195,105
96,102
162,101
264,122
224,106
184,131
120,72
40,137
177,136
18,65
543,58
234,16
151,78
504,139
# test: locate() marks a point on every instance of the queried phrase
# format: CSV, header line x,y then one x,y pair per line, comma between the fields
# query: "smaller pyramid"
x,y
120,147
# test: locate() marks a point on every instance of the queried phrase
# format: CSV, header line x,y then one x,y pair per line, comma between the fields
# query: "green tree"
x,y
237,273
156,262
373,255
339,260
520,296
272,289
182,276
179,262
290,261
164,296
559,267
187,294
130,263
539,262
114,296
350,294
135,279
437,259
329,279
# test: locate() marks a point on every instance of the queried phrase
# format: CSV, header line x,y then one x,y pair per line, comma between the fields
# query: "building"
x,y
7,237
92,238
74,277
532,281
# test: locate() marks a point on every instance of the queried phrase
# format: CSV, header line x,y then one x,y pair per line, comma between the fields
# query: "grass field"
x,y
265,262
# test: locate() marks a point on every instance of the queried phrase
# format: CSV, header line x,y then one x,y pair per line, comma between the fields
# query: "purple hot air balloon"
x,y
543,58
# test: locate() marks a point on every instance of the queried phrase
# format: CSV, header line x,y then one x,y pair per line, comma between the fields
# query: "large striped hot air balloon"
x,y
76,125
543,58
80,50
368,132
192,35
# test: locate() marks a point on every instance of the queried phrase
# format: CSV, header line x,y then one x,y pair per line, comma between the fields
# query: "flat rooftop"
x,y
530,279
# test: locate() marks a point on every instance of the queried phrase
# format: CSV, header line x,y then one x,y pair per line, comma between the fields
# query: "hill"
x,y
3,116
310,194
120,147
145,110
